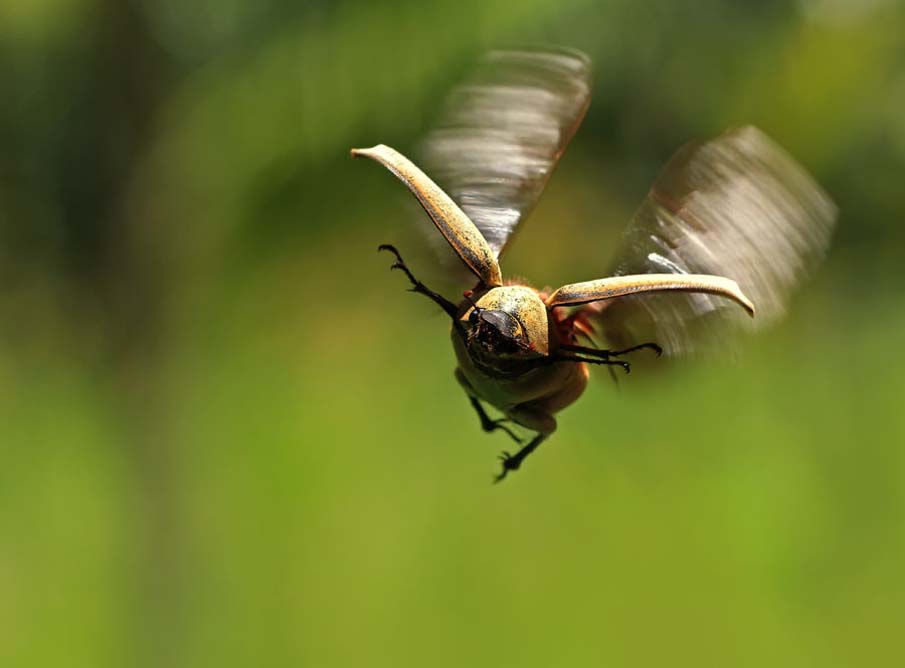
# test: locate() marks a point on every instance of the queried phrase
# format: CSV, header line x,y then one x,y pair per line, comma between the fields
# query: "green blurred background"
x,y
229,437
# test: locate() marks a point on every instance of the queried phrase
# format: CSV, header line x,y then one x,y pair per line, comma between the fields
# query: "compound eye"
x,y
473,317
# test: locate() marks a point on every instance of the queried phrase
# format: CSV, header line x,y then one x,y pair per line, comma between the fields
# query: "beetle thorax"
x,y
514,310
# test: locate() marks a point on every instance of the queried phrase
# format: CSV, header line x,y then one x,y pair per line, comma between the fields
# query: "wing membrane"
x,y
737,206
502,132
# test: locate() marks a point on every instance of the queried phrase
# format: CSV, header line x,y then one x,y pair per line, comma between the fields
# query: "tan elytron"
x,y
459,231
622,286
736,205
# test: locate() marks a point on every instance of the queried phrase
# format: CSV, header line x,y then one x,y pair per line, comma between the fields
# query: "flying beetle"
x,y
729,223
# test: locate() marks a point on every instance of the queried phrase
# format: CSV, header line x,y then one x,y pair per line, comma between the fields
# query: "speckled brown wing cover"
x,y
737,206
502,131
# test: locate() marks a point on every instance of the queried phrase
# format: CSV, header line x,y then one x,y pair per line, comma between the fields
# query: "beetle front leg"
x,y
612,353
557,357
598,356
418,286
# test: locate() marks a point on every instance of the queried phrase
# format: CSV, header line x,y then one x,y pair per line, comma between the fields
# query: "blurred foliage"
x,y
229,437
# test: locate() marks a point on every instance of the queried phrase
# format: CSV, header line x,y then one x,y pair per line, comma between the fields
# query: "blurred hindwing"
x,y
737,206
501,133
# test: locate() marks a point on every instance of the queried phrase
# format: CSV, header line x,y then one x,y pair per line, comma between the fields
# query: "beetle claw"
x,y
388,247
419,287
399,264
513,462
506,458
510,463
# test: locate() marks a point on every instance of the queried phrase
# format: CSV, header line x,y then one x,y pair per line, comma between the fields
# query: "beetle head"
x,y
496,332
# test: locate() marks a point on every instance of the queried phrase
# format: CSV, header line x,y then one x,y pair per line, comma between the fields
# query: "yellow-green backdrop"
x,y
229,437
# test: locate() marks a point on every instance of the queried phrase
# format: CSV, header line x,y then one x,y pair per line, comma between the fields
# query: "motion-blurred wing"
x,y
737,206
501,133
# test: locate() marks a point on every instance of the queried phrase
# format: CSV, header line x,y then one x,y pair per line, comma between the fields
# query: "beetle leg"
x,y
489,425
418,286
556,357
533,418
612,353
641,346
513,462
573,358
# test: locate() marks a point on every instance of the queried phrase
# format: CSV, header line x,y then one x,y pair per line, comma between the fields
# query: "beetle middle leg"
x,y
418,286
487,423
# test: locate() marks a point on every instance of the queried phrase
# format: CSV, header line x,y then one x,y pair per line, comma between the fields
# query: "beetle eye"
x,y
474,316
